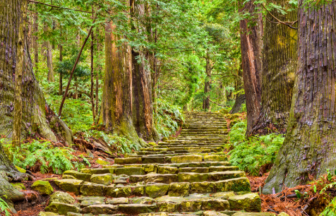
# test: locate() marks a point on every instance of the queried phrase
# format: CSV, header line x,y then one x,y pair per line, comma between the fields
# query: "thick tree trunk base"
x,y
238,103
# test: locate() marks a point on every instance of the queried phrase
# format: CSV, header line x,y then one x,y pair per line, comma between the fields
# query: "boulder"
x,y
78,175
18,186
43,187
62,197
91,189
105,179
69,185
62,208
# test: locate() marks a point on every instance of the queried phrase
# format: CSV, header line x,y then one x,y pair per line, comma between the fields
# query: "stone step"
x,y
153,190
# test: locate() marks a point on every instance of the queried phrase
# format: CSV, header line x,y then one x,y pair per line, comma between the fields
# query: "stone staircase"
x,y
189,175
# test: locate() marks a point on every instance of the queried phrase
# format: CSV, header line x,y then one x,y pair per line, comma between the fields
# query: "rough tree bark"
x,y
48,54
309,147
279,65
35,41
117,99
142,88
251,32
36,115
207,84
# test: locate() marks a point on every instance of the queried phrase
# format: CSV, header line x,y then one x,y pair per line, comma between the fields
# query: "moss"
x,y
102,162
156,190
249,202
20,169
62,197
180,189
43,187
62,208
105,179
91,189
18,186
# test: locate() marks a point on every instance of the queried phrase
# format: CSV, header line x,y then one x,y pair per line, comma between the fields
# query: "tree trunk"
x,y
309,148
35,41
251,32
92,75
48,54
116,108
279,65
61,74
238,103
207,85
36,115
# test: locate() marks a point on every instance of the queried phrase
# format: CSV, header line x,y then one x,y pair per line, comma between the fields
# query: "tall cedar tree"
x,y
279,66
251,32
309,148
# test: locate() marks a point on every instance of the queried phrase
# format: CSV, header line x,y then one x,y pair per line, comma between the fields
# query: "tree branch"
x,y
289,24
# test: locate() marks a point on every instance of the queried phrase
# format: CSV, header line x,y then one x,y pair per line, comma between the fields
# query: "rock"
x,y
91,189
152,144
100,209
130,171
154,214
20,169
134,209
167,170
191,205
192,177
253,214
213,213
160,178
43,187
89,201
247,202
186,159
74,214
69,185
68,177
202,187
223,195
215,158
142,200
47,214
150,168
62,208
215,204
125,191
168,206
7,190
129,160
236,185
105,179
102,162
98,171
156,190
194,169
283,214
116,201
89,154
62,197
78,175
179,189
170,199
18,186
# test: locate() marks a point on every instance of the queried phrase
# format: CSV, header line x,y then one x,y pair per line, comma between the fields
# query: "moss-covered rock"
x,y
213,213
18,186
117,201
135,209
142,200
89,201
237,184
47,214
129,160
247,202
253,214
43,187
150,168
186,159
69,185
124,191
130,171
62,208
20,169
68,177
156,190
152,144
179,189
92,189
98,170
102,162
202,187
78,175
167,170
62,197
215,204
168,206
215,158
191,205
192,177
105,179
223,195
100,209
283,214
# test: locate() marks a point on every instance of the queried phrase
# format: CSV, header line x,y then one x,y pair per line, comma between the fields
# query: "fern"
x,y
4,208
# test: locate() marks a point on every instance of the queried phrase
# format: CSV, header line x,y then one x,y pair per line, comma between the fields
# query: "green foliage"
x,y
4,208
46,156
330,210
168,118
252,153
120,143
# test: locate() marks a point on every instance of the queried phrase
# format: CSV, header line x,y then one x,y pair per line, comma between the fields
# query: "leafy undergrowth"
x,y
254,154
43,156
4,208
